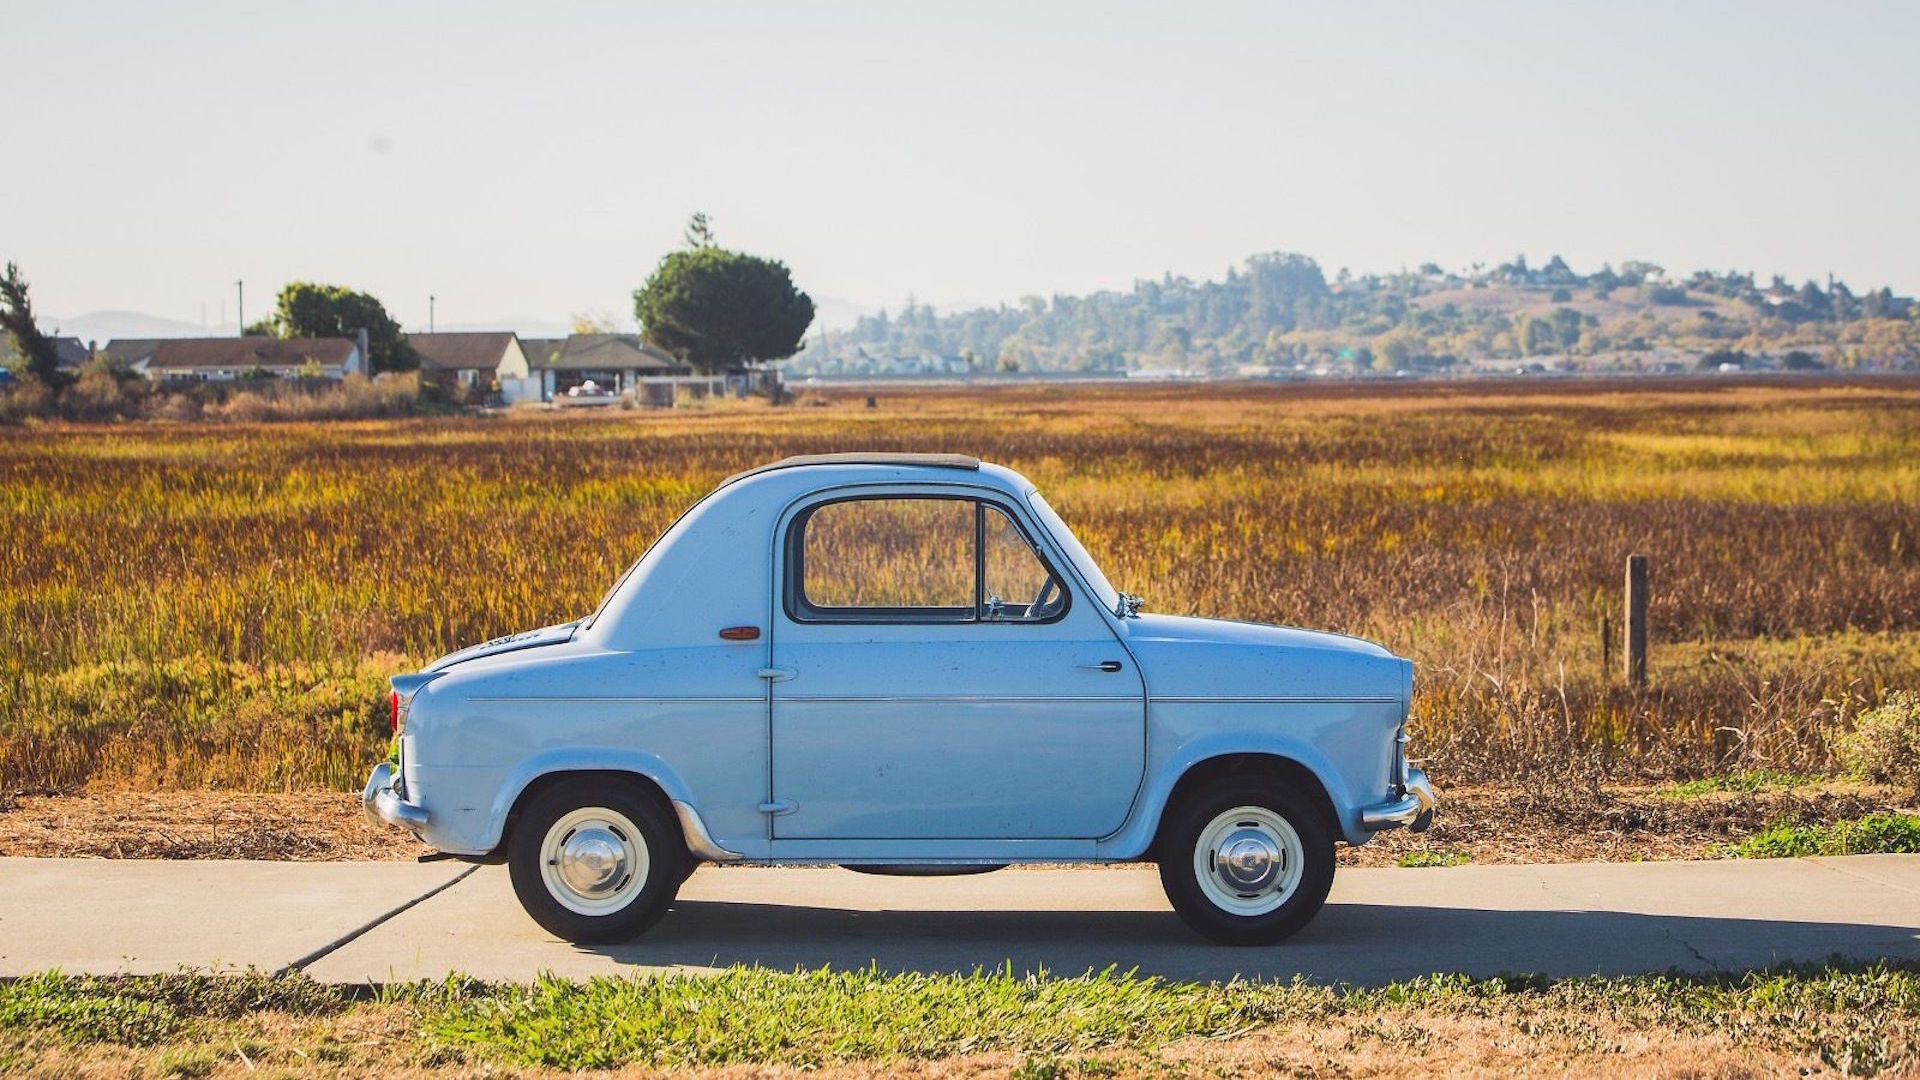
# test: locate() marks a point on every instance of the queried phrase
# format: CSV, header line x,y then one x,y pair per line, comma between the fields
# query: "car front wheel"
x,y
594,860
1248,862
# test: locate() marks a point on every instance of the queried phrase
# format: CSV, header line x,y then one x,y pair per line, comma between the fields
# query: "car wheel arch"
x,y
646,786
1290,771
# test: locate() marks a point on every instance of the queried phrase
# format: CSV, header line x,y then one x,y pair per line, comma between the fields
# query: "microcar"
x,y
901,663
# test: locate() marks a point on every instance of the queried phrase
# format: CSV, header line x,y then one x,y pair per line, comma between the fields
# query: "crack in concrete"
x,y
1857,876
358,932
1687,945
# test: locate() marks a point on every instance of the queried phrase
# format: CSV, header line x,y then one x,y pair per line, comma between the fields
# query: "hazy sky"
x,y
533,160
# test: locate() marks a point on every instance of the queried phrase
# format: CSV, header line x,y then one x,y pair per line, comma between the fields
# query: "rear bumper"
x,y
383,802
1413,809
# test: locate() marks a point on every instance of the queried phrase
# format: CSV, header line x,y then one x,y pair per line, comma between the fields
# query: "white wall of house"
x,y
513,363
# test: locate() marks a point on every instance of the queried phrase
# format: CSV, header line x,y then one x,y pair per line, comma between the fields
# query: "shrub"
x,y
1884,744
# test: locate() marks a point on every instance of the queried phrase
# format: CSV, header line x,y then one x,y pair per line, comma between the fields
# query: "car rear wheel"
x,y
1247,862
594,860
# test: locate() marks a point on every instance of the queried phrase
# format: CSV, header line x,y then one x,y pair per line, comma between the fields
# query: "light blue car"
x,y
900,663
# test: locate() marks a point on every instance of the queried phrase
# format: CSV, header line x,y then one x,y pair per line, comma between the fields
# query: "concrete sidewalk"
x,y
100,916
373,922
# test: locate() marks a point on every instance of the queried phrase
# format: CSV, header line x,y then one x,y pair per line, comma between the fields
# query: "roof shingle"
x,y
476,351
240,353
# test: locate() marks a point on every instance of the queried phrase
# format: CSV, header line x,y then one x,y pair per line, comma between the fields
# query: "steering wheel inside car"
x,y
1046,604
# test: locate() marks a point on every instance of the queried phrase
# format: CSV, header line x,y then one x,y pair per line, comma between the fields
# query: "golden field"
x,y
218,605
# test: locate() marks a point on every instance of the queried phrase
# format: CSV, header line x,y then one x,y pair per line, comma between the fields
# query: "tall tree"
x,y
308,310
718,309
699,232
16,318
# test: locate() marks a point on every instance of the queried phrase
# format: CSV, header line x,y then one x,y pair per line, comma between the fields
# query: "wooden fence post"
x,y
1637,620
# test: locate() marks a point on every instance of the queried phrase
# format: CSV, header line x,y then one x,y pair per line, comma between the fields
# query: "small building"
x,y
615,364
74,354
133,354
220,359
483,362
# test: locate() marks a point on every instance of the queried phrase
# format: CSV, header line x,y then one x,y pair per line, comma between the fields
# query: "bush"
x,y
1884,744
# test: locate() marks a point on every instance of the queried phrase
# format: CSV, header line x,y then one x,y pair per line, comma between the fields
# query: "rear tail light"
x,y
393,712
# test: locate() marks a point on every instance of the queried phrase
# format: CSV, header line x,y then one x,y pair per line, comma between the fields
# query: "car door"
x,y
938,675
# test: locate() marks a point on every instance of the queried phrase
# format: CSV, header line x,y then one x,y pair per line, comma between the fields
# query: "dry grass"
x,y
186,607
303,826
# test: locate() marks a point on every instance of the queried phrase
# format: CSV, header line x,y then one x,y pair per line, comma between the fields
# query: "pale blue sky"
x,y
532,160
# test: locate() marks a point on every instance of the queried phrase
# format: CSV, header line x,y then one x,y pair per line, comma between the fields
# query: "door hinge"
x,y
778,807
777,674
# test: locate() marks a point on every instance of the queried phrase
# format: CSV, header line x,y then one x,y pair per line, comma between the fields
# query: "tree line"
x,y
1281,309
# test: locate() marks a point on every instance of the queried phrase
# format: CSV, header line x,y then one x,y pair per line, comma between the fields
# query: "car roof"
x,y
798,461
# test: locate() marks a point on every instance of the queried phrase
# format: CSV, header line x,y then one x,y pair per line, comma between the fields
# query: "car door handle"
x,y
1104,665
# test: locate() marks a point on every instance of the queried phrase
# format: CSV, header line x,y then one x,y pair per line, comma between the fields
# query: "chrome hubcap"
x,y
1249,860
594,861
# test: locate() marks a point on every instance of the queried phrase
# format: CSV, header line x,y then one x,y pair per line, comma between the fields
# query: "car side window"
x,y
917,559
1017,586
909,558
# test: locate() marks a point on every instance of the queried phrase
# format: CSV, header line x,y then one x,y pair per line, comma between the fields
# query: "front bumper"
x,y
383,803
1413,809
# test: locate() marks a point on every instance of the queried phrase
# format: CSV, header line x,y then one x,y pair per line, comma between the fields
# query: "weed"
x,y
1745,781
1422,857
1874,834
1884,744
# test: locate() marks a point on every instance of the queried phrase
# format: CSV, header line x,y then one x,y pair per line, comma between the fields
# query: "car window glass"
x,y
890,553
1015,579
1077,554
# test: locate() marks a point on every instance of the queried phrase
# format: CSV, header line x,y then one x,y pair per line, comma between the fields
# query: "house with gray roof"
x,y
485,362
615,364
74,354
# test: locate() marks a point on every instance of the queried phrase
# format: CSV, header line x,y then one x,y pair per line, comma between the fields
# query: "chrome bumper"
x,y
382,803
1414,809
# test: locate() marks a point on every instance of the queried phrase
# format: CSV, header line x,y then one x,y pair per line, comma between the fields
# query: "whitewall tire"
x,y
595,860
1248,861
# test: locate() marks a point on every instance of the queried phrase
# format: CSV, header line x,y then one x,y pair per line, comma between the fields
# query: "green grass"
x,y
1744,782
148,1010
1856,1017
1870,835
1433,858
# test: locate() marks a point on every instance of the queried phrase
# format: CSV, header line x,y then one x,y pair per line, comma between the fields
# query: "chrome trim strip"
x,y
757,699
1302,699
967,699
699,840
1417,802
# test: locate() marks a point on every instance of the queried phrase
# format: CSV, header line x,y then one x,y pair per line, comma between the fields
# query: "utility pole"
x,y
242,287
429,313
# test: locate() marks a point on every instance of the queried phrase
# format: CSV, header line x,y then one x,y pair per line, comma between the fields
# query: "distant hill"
x,y
1278,313
104,326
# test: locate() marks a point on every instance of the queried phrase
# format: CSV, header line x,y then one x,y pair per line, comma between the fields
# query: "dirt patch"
x,y
1575,823
302,826
1486,824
